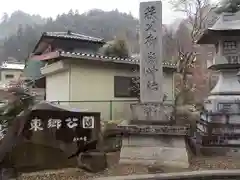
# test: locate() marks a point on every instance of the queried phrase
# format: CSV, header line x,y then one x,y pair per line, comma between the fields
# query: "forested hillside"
x,y
21,31
10,23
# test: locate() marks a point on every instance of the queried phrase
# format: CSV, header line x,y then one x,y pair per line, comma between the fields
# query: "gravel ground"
x,y
200,163
207,163
76,174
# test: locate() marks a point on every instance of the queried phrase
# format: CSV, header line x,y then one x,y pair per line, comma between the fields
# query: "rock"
x,y
88,161
155,169
113,158
92,161
7,173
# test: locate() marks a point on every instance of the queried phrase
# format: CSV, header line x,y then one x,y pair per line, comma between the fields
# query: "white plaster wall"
x,y
57,87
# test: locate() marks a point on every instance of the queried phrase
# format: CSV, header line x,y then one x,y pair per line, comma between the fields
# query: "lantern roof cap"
x,y
226,25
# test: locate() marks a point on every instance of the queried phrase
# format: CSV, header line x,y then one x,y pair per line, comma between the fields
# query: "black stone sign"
x,y
79,124
69,126
46,136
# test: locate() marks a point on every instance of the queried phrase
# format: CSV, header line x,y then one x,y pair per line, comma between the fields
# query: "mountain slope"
x,y
96,23
11,23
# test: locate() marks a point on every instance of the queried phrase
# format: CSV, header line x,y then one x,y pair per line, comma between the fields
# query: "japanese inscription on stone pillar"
x,y
151,52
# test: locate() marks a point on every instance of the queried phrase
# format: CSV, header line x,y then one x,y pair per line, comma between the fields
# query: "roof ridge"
x,y
72,34
94,55
130,59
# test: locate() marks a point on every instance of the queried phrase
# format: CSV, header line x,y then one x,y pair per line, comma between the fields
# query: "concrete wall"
x,y
94,84
90,81
168,85
4,72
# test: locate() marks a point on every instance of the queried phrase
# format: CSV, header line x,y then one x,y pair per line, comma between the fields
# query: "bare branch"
x,y
197,13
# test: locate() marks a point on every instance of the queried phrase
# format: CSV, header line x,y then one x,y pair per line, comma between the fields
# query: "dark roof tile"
x,y
109,58
71,35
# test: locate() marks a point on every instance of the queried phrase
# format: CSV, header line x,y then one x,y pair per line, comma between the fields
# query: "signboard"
x,y
67,126
232,107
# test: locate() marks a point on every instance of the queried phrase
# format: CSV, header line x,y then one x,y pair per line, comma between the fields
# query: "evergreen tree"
x,y
5,17
117,48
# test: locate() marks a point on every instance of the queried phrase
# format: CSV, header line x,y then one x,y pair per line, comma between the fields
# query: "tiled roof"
x,y
72,35
108,58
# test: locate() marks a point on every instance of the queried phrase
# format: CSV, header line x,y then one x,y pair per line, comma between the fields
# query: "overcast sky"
x,y
52,8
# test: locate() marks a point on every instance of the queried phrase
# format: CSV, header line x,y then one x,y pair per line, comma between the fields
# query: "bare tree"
x,y
185,57
169,44
197,13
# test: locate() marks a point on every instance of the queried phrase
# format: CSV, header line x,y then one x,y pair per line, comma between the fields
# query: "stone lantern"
x,y
219,125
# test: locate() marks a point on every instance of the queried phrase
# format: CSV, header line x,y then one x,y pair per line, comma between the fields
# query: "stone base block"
x,y
148,150
220,151
199,150
156,112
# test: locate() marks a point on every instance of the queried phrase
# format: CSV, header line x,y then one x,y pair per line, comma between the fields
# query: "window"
x,y
217,47
224,107
9,76
230,45
123,87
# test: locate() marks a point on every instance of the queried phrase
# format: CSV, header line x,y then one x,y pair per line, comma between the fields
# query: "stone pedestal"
x,y
219,122
159,145
218,130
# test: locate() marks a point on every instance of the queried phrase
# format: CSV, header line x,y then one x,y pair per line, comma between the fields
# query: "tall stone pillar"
x,y
149,139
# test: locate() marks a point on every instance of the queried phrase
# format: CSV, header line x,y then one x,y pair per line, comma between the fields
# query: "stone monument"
x,y
219,127
150,139
151,73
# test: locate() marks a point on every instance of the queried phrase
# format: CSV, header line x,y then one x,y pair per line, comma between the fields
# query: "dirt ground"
x,y
196,163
